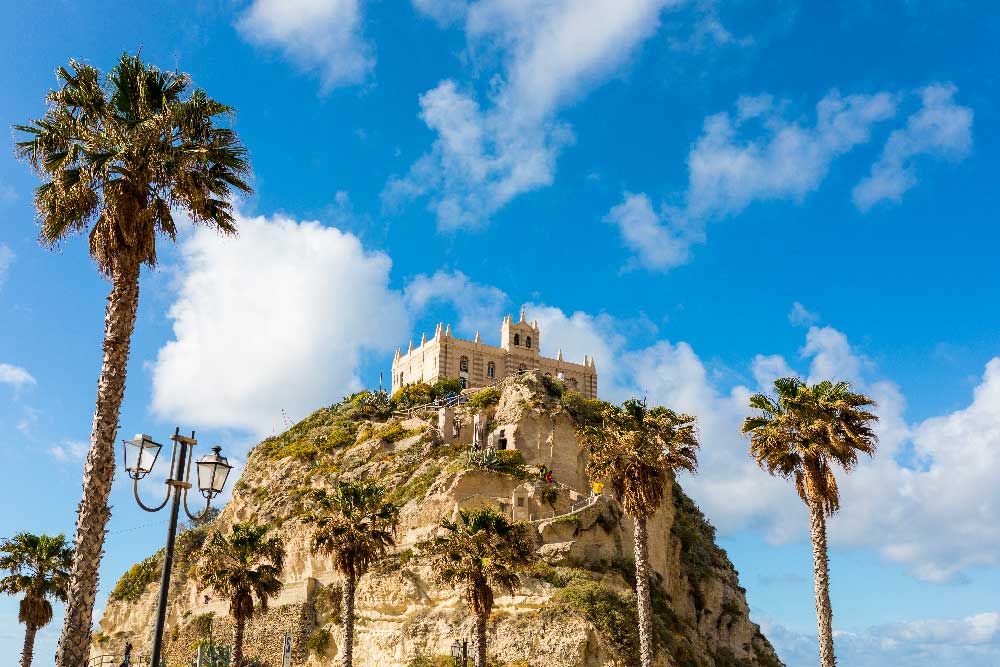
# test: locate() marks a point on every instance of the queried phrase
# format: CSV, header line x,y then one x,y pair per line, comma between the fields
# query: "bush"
x,y
202,624
445,386
553,387
613,614
132,584
486,398
318,641
549,496
412,395
584,411
372,404
436,660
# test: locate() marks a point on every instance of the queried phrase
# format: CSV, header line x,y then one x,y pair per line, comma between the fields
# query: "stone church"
x,y
476,364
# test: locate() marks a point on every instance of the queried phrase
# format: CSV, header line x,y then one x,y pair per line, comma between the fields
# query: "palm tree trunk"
x,y
821,583
642,593
347,657
238,629
29,645
481,620
98,473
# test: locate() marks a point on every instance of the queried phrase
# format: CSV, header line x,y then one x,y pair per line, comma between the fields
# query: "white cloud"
x,y
552,53
318,35
276,318
16,376
69,450
940,128
928,500
479,307
6,259
799,315
444,12
972,641
755,153
654,243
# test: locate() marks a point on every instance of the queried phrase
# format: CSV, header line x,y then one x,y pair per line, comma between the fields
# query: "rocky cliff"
x,y
576,609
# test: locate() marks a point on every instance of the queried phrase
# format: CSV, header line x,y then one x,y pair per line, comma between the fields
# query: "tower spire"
x,y
477,336
447,331
522,313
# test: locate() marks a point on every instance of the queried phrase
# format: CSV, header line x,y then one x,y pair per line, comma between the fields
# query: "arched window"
x,y
463,365
517,339
464,382
522,368
491,370
527,342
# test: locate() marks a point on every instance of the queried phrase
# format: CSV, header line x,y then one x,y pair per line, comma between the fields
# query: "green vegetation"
x,y
131,585
553,387
412,395
202,624
612,613
318,641
445,386
416,487
432,661
700,556
549,496
584,411
485,399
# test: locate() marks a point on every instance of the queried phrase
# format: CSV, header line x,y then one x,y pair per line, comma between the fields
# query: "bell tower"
x,y
519,337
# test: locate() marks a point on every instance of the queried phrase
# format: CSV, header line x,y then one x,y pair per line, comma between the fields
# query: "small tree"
x,y
636,450
356,524
482,550
241,566
38,567
800,434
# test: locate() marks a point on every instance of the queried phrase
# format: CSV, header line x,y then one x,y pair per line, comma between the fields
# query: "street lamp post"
x,y
213,469
460,653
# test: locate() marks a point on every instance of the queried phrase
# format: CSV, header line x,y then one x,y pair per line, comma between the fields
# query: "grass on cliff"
x,y
700,555
187,551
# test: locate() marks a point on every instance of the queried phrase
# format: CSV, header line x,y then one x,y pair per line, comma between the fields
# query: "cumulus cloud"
x,y
936,517
485,155
279,317
15,376
799,315
324,36
940,128
479,307
973,641
6,259
655,243
754,153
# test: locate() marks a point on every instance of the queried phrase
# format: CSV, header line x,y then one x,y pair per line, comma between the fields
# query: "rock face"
x,y
576,609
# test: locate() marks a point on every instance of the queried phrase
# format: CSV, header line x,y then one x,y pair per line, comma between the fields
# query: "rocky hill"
x,y
576,609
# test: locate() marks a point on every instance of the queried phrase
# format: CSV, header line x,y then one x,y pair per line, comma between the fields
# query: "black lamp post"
x,y
213,469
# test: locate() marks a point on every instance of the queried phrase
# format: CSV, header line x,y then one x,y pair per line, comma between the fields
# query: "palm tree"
x,y
356,524
800,434
245,564
636,451
482,550
38,567
117,157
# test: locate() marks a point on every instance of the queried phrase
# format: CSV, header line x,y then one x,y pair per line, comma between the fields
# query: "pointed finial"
x,y
593,364
423,338
447,331
534,325
477,335
559,355
398,354
522,313
411,346
438,330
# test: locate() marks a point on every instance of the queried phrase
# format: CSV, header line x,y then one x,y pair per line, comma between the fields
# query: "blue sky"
x,y
701,194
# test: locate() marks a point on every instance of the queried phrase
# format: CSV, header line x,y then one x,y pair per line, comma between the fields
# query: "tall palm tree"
x,y
355,523
38,567
482,550
800,434
117,157
635,451
245,564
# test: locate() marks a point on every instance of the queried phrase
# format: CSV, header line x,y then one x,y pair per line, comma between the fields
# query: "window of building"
x,y
527,342
517,339
463,365
491,370
520,502
464,382
522,368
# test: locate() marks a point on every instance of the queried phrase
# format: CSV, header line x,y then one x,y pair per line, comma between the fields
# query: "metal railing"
x,y
116,660
576,507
